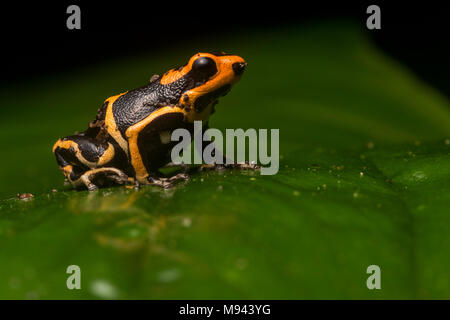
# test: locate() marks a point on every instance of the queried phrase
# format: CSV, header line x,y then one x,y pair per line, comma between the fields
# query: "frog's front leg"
x,y
89,178
87,162
226,162
146,135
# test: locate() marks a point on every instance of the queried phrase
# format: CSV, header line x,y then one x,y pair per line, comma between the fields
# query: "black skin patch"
x,y
136,105
66,157
77,172
154,153
202,102
91,149
120,159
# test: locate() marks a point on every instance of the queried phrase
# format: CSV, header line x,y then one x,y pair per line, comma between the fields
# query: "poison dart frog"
x,y
129,140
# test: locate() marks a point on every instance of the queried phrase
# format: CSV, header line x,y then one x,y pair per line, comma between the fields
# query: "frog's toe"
x,y
162,182
179,176
92,187
119,177
168,185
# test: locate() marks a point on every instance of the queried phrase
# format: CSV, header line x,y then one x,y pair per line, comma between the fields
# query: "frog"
x,y
128,142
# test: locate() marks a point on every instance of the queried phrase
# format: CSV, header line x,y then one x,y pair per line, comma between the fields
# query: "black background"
x,y
35,39
279,309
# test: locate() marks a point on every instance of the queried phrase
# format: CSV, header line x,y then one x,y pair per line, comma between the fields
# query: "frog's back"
x,y
137,104
133,106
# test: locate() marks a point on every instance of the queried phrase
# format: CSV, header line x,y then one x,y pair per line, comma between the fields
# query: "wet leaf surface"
x,y
364,179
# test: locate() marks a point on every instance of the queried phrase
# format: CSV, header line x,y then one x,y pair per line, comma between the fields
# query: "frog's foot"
x,y
167,183
241,166
101,176
178,177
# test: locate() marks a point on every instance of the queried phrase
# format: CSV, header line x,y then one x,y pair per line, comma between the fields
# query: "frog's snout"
x,y
239,67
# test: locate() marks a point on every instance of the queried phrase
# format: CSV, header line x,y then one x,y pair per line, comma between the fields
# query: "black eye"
x,y
204,67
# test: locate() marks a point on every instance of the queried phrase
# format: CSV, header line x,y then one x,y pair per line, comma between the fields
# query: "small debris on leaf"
x,y
24,196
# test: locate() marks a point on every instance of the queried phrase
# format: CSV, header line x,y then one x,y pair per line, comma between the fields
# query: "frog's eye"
x,y
204,67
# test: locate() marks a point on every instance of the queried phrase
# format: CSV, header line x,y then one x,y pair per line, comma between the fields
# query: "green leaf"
x,y
364,180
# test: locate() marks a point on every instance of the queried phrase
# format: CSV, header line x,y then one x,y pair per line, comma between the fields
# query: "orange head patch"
x,y
212,75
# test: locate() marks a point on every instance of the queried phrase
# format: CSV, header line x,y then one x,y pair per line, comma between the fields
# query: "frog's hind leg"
x,y
86,162
92,178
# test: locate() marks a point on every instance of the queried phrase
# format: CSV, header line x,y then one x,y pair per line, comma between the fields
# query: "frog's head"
x,y
208,76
